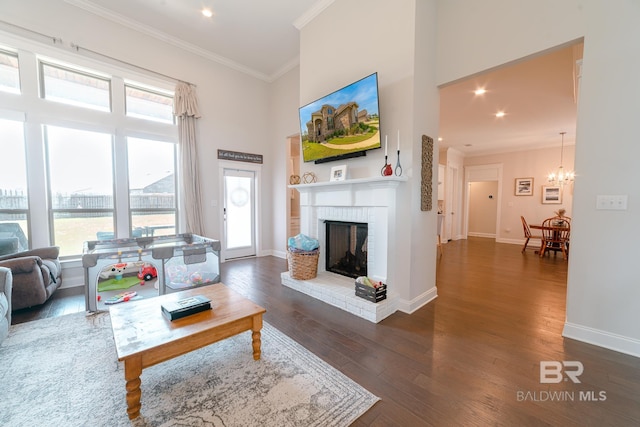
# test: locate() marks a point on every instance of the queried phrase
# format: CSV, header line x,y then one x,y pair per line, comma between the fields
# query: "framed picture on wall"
x,y
338,173
551,194
524,186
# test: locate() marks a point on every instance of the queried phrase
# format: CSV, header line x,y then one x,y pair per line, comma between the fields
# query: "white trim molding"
x,y
601,338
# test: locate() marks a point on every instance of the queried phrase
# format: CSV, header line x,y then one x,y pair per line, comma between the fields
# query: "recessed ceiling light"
x,y
207,12
500,114
480,91
440,139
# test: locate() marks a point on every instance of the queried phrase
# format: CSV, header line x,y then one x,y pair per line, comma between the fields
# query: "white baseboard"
x,y
488,235
601,338
409,306
513,241
279,254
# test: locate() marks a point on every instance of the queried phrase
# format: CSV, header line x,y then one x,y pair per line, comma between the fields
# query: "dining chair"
x,y
527,234
555,236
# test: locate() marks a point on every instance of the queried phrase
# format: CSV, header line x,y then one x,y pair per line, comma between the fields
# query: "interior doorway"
x,y
293,175
491,213
483,208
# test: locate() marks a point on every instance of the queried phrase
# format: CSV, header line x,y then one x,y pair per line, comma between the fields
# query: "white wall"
x,y
536,164
603,299
349,40
284,98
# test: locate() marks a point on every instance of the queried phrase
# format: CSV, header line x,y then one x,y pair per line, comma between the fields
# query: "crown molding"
x,y
314,11
164,37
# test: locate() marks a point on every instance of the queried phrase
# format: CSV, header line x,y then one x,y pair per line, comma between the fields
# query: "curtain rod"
x,y
57,41
79,48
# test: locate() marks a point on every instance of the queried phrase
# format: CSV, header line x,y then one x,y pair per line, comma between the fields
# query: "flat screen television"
x,y
343,124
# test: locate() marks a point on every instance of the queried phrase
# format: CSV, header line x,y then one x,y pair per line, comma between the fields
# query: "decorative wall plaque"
x,y
426,188
239,157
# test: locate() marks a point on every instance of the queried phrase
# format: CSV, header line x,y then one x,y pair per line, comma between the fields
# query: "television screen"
x,y
343,124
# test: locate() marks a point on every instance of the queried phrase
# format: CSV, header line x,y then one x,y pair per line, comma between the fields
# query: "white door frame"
x,y
491,172
240,166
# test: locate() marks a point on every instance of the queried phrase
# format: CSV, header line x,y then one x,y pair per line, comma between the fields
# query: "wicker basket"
x,y
303,265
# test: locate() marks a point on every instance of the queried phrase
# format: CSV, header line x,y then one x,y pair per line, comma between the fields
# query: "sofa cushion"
x,y
53,267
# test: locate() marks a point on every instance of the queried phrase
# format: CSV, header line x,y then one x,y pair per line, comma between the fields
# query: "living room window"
x,y
74,162
73,87
80,166
148,104
14,203
152,187
9,72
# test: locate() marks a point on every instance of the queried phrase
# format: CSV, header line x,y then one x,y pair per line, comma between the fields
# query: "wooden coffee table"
x,y
144,337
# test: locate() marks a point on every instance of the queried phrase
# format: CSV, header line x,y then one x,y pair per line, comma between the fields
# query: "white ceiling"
x,y
261,38
257,37
537,95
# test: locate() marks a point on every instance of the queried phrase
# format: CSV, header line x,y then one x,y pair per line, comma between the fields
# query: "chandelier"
x,y
561,177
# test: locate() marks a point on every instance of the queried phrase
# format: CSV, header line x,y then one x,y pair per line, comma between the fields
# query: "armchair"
x,y
36,275
5,302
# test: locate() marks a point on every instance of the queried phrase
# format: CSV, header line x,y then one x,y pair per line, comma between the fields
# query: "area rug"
x,y
64,371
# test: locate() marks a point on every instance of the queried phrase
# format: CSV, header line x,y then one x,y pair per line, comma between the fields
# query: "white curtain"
x,y
185,108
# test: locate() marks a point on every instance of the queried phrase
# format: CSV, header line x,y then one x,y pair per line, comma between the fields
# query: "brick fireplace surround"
x,y
369,200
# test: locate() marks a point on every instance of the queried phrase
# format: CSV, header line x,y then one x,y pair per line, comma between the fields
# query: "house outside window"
x,y
75,158
152,187
148,104
74,87
9,72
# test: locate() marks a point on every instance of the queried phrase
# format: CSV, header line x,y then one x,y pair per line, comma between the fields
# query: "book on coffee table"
x,y
173,310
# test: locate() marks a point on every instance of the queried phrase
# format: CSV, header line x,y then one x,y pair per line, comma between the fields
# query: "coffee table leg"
x,y
132,372
255,336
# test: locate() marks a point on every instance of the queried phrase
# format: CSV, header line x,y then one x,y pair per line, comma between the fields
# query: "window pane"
x,y
14,236
75,88
72,229
148,105
9,72
238,195
151,173
13,172
80,180
152,186
13,189
153,223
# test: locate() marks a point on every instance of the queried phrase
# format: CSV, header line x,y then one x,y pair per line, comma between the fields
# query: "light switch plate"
x,y
612,202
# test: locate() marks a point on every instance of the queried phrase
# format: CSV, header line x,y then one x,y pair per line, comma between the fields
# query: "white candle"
x,y
398,139
386,144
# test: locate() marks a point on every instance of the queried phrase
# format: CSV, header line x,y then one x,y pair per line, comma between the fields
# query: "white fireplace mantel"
x,y
391,181
367,200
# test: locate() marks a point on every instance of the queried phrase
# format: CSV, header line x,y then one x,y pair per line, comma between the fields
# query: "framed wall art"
x,y
551,194
524,187
338,173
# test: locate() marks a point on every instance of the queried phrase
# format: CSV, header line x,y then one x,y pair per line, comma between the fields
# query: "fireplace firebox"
x,y
346,248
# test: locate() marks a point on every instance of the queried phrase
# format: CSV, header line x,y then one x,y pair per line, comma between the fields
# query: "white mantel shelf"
x,y
391,181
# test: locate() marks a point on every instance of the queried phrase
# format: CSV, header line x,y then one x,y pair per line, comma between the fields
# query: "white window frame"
x,y
37,112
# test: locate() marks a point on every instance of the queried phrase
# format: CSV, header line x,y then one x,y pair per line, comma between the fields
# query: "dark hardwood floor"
x,y
471,357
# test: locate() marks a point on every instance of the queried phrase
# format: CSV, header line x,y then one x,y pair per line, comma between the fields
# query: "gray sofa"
x,y
5,302
36,275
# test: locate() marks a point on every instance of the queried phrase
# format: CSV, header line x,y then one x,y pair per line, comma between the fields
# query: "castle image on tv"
x,y
328,120
342,124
